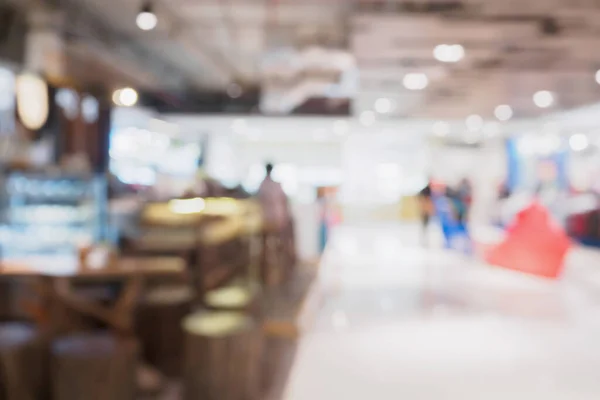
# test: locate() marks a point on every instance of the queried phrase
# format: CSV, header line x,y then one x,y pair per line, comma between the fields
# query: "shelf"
x,y
49,213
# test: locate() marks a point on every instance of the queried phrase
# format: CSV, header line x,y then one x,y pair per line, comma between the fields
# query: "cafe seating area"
x,y
201,303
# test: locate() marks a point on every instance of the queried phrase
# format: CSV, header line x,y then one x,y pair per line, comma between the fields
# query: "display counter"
x,y
50,214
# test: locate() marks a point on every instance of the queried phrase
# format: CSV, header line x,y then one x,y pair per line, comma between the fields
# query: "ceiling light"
x,y
578,142
441,52
441,128
458,52
146,20
32,101
415,81
543,99
449,53
503,112
126,97
367,118
383,106
474,122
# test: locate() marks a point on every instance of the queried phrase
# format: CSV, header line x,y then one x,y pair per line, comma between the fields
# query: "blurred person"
x,y
279,255
504,191
457,204
464,198
274,202
425,209
451,210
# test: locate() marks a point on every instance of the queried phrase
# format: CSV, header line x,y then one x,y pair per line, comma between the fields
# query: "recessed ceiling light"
x,y
449,53
126,97
503,112
578,142
415,81
146,20
543,99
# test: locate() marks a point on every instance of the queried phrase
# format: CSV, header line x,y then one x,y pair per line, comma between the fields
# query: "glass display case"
x,y
42,214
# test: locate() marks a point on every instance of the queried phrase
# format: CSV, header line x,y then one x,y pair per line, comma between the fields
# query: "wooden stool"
x,y
159,327
238,297
223,357
5,299
94,367
22,363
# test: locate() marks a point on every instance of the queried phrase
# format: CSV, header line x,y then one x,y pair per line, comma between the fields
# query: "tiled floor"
x,y
402,322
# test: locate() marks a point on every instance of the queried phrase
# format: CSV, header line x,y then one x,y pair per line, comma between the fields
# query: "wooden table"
x,y
53,278
202,238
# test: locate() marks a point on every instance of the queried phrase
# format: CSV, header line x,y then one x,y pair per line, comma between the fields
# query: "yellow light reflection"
x,y
187,206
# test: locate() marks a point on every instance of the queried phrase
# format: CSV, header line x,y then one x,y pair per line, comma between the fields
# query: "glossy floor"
x,y
399,321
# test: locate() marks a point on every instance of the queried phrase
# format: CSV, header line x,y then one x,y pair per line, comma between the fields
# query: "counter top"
x,y
69,267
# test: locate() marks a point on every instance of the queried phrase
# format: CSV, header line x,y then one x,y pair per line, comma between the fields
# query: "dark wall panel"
x,y
13,29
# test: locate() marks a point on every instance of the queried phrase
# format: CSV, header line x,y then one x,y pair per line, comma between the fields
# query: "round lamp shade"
x,y
32,101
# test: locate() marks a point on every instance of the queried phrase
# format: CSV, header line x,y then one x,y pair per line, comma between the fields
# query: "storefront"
x,y
52,150
148,152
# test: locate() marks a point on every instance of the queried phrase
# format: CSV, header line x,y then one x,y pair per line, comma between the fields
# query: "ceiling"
x,y
513,47
214,43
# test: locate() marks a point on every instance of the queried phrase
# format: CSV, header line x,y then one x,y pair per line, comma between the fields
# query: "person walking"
x,y
278,229
426,211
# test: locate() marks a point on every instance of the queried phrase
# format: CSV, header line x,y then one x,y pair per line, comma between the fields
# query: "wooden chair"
x,y
94,367
240,297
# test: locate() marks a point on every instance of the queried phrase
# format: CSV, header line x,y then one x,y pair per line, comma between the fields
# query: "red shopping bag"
x,y
534,244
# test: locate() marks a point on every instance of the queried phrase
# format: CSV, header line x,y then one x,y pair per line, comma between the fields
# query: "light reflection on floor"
x,y
402,322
